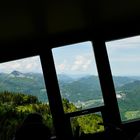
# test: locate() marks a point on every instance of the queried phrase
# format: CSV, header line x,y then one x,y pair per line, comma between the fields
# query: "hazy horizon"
x,y
70,75
78,59
25,65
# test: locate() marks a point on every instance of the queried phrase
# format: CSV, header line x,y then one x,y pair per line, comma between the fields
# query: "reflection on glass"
x,y
22,91
87,124
77,76
124,56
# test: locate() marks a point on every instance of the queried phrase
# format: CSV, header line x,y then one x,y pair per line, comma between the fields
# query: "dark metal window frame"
x,y
110,111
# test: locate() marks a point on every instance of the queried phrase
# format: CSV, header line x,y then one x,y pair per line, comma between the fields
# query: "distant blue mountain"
x,y
78,89
64,79
28,83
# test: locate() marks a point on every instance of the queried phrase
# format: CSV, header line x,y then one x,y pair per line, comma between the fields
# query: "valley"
x,y
83,91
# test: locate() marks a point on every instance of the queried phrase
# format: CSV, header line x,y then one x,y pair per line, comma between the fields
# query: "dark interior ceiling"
x,y
66,20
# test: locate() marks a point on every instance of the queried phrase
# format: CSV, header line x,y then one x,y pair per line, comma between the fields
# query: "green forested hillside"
x,y
28,83
83,89
14,107
130,105
122,80
83,92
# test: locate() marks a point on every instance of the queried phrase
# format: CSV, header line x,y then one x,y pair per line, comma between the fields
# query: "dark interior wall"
x,y
119,18
15,20
110,18
118,11
65,16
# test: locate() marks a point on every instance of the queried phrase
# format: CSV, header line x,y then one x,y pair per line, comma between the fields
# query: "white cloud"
x,y
87,64
78,64
81,63
62,67
31,64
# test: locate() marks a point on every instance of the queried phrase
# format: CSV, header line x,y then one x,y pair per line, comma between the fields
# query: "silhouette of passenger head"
x,y
33,118
33,129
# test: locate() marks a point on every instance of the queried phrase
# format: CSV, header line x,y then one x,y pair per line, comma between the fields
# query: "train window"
x,y
77,77
87,124
124,57
22,91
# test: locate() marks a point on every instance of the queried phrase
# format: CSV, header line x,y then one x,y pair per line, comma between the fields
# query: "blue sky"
x,y
124,57
30,64
71,59
75,59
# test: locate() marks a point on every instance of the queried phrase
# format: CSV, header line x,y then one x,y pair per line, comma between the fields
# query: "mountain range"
x,y
28,83
75,88
83,91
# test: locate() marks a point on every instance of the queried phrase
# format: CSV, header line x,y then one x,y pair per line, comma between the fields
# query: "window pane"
x,y
77,76
22,91
87,124
124,56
